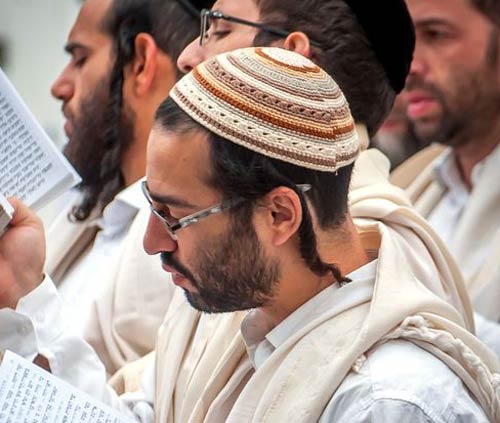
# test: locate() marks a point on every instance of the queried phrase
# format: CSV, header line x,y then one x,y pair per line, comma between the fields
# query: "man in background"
x,y
248,181
122,65
453,94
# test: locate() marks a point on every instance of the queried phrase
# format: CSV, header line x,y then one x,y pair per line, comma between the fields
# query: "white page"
x,y
31,167
6,212
29,394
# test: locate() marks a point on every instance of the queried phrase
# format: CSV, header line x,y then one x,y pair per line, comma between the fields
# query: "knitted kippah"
x,y
274,102
389,28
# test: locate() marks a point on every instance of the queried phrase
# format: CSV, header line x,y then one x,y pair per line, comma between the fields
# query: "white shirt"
x,y
445,217
80,285
398,382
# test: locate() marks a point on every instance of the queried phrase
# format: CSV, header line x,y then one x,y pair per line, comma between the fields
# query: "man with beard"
x,y
122,65
248,174
454,99
191,345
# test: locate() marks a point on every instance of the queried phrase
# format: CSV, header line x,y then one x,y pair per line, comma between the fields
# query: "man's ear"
x,y
143,69
283,214
299,43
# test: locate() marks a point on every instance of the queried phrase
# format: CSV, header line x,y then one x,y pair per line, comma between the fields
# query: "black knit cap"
x,y
193,7
389,28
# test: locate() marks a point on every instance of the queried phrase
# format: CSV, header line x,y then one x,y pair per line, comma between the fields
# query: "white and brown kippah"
x,y
274,102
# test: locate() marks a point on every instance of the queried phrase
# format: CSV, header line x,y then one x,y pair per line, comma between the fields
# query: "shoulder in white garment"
x,y
401,382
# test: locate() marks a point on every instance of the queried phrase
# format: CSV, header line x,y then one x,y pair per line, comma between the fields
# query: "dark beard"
x,y
96,147
233,273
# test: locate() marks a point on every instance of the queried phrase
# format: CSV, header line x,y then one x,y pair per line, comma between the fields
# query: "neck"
x,y
134,159
475,149
469,155
299,284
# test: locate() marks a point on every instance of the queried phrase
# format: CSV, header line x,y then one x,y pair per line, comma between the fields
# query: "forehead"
x,y
88,26
240,8
178,163
456,12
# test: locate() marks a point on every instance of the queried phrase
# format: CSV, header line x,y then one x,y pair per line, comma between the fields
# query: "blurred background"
x,y
32,37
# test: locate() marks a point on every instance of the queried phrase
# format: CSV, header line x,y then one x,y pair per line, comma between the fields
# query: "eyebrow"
x,y
431,21
74,45
170,200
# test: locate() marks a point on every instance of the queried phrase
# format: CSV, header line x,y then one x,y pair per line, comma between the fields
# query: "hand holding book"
x,y
22,255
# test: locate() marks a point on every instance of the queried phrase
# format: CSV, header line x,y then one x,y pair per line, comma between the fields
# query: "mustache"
x,y
169,260
416,84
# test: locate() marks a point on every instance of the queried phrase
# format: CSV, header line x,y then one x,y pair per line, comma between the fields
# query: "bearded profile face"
x,y
98,124
97,142
453,90
230,272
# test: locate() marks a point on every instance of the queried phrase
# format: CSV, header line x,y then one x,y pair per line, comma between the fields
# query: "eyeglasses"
x,y
173,225
207,15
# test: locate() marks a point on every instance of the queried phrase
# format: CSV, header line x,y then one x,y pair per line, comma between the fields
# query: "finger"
x,y
23,215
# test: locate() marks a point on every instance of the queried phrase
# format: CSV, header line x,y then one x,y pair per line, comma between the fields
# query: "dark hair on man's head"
x,y
345,52
489,8
172,28
239,172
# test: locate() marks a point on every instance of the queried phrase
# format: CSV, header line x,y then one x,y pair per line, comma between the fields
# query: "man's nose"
x,y
157,239
191,56
63,87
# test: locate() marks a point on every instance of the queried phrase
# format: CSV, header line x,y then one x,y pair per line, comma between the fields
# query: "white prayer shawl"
x,y
479,225
415,284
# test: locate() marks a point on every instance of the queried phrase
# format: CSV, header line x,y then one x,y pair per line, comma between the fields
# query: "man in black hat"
x,y
366,46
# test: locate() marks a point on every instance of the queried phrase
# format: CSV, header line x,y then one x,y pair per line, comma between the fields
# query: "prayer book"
x,y
31,167
32,395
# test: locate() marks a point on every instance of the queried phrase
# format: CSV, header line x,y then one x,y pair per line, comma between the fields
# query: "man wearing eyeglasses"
x,y
363,44
248,175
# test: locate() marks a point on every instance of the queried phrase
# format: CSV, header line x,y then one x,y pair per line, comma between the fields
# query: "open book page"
x,y
31,167
30,394
6,211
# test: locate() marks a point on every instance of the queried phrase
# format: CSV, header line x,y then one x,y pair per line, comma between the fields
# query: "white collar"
x,y
448,174
120,212
261,338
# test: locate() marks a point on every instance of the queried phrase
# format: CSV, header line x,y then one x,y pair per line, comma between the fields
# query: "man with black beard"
x,y
122,65
453,92
248,178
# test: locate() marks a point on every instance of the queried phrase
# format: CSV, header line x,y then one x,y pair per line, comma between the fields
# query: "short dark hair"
x,y
489,8
172,28
345,52
239,172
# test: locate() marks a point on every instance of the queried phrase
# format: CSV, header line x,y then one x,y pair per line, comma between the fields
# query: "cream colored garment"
x,y
407,171
66,242
365,325
298,380
479,225
136,292
129,310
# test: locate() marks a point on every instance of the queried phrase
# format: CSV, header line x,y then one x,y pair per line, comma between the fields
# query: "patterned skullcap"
x,y
274,102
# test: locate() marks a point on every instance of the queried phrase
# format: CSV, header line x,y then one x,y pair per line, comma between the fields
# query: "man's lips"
x,y
177,277
420,105
68,128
